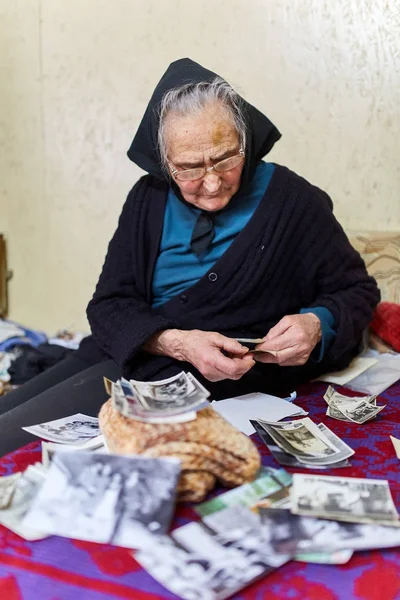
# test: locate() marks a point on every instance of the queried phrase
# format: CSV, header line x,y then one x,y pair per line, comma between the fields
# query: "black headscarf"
x,y
261,134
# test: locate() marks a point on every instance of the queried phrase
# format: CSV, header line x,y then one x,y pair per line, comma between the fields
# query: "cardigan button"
x,y
183,298
213,277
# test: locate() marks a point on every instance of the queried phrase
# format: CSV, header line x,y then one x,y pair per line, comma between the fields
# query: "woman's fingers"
x,y
230,345
280,328
291,341
223,367
289,357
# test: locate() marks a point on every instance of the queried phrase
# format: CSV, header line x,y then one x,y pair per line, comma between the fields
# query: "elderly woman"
x,y
212,245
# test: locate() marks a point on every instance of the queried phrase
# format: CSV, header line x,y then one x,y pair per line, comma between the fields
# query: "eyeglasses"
x,y
224,165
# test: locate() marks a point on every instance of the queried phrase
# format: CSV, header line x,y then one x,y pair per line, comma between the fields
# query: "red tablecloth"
x,y
63,569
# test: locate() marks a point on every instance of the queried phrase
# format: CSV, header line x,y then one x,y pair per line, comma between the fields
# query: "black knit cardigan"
x,y
292,254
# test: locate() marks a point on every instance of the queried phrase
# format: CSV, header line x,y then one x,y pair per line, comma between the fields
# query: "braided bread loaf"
x,y
209,448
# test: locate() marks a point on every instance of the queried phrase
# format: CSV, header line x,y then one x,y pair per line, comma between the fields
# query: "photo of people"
x,y
350,499
69,430
106,498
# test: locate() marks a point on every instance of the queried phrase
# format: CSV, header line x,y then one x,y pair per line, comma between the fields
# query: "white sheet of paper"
x,y
396,445
380,376
237,411
357,366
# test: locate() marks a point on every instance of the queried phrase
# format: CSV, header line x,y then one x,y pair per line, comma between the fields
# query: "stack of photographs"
x,y
304,444
173,400
353,409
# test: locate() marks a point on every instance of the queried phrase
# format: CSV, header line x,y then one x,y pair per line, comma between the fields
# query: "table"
x,y
62,569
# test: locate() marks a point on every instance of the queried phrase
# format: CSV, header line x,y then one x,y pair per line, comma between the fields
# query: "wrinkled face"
x,y
201,141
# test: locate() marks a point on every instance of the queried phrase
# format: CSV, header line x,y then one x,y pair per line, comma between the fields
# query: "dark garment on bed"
x,y
69,387
291,254
32,361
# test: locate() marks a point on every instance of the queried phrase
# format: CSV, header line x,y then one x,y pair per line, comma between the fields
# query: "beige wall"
x,y
75,79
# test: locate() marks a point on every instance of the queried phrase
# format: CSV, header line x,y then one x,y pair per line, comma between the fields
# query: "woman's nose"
x,y
211,182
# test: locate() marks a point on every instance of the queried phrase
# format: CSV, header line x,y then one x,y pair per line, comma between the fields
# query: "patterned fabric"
x,y
209,448
62,569
386,323
381,253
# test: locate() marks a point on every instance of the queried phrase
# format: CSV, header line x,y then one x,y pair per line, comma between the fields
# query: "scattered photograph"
x,y
7,487
338,557
362,412
300,438
331,396
75,429
299,534
235,528
49,449
106,498
189,576
335,413
107,385
343,498
355,409
204,564
271,485
288,460
343,450
25,490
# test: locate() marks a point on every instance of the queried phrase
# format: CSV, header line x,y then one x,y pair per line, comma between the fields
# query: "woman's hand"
x,y
291,340
215,356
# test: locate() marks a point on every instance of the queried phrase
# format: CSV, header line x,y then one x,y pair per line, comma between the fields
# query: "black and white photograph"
x,y
355,409
26,488
289,460
206,565
181,392
362,412
332,396
106,498
343,452
300,438
236,527
131,407
177,387
49,449
343,498
75,429
296,533
7,487
333,412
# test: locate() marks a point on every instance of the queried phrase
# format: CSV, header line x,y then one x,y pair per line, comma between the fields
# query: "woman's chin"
x,y
212,203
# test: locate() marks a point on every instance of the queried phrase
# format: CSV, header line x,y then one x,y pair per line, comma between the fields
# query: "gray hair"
x,y
191,98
